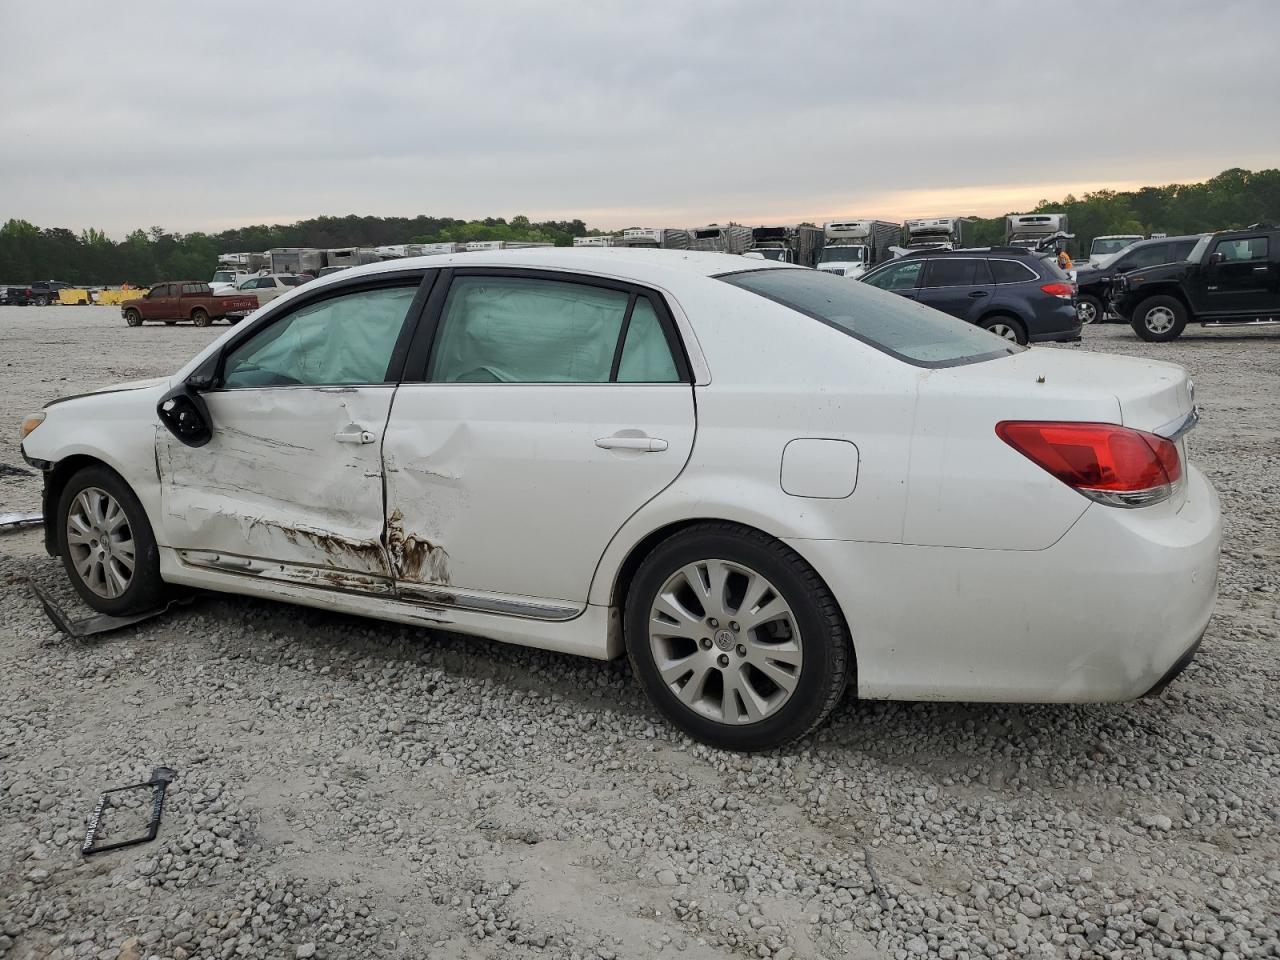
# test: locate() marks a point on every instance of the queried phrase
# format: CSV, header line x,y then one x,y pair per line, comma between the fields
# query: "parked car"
x,y
15,296
1008,290
1092,284
1228,279
186,300
761,482
40,294
266,288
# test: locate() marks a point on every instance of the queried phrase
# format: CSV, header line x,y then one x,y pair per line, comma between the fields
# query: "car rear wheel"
x,y
735,638
106,543
1090,309
200,317
1159,319
133,318
1008,327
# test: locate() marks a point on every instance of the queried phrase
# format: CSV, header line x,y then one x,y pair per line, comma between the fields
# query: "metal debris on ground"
x,y
9,522
101,622
875,879
161,777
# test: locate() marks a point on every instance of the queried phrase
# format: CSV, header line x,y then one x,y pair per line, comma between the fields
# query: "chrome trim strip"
x,y
1179,428
443,596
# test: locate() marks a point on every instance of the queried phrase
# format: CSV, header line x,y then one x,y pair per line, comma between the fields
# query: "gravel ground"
x,y
353,789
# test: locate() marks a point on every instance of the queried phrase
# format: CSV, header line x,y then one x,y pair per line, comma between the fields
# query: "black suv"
x,y
1228,279
1092,283
1006,290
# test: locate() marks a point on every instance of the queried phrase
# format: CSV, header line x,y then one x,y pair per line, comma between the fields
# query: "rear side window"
x,y
646,354
893,324
527,330
1010,271
948,272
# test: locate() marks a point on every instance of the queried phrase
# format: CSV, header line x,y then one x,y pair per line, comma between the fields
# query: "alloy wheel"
x,y
100,542
1087,312
1004,330
1159,319
725,642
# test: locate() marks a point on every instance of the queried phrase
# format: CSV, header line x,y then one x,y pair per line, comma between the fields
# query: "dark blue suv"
x,y
1007,290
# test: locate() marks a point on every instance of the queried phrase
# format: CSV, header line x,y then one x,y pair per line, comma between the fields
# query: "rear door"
x,y
959,286
1239,278
290,486
551,407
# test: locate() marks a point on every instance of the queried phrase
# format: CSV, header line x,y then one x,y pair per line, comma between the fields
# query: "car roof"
x,y
1002,252
641,265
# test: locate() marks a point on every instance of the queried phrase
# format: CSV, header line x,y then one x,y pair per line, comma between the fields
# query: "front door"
x,y
959,286
160,303
1238,278
552,408
290,486
901,278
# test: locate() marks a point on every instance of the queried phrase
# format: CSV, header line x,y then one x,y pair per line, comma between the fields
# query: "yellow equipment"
x,y
71,295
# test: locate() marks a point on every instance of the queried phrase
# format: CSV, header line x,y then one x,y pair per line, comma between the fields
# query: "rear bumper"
x,y
1059,323
1106,614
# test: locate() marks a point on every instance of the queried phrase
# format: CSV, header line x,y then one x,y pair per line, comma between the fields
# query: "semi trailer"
x,y
722,238
295,260
799,245
1030,230
937,233
852,247
654,238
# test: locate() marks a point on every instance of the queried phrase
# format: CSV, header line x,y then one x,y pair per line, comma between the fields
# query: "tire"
x,y
1090,309
133,318
42,301
1003,325
810,630
200,317
98,518
1159,319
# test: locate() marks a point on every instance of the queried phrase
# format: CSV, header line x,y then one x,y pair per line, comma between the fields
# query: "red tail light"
x,y
1056,289
1115,465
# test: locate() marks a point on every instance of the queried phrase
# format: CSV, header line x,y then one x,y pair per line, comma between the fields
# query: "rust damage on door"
x,y
413,557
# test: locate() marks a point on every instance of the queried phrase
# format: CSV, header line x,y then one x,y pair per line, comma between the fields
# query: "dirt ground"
x,y
349,788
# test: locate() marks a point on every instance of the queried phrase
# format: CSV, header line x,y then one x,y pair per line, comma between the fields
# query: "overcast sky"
x,y
202,116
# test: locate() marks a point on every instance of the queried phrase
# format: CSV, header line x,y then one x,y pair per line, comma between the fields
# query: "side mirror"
x,y
1217,258
183,411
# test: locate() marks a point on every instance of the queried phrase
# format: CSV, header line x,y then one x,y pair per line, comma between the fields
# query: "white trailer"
x,y
853,247
296,259
607,241
937,233
1030,230
350,256
723,238
664,238
474,245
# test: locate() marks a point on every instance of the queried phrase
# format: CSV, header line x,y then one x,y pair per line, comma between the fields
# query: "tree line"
x,y
1234,198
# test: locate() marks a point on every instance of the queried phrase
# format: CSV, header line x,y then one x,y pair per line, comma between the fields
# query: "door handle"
x,y
1261,269
353,433
977,293
643,444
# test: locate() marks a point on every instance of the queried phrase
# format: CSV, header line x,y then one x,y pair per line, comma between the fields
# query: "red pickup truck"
x,y
186,300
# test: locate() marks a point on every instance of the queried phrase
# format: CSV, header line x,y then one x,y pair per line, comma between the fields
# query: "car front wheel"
x,y
1159,319
106,544
735,638
133,318
1090,309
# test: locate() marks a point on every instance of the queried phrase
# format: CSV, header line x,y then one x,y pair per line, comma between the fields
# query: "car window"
x,y
159,290
1180,250
289,281
527,330
1240,251
343,340
948,272
1010,271
1148,256
895,325
898,276
646,354
982,273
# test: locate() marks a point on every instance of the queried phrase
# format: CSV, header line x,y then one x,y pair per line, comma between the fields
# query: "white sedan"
x,y
762,483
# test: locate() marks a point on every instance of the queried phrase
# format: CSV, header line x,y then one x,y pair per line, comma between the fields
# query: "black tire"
x,y
1159,319
1003,320
145,589
1090,309
823,637
42,301
201,317
133,318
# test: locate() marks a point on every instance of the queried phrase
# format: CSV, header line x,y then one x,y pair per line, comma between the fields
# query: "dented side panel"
x,y
276,484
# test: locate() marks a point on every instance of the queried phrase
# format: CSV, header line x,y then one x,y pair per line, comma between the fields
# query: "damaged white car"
x,y
762,483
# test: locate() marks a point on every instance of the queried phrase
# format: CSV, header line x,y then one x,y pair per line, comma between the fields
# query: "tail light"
x,y
1115,465
1063,291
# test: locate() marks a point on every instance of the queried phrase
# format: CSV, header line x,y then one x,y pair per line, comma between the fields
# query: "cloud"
x,y
663,112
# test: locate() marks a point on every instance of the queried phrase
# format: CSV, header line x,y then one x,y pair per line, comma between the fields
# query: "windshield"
x,y
223,276
899,327
843,255
770,253
1197,252
1104,246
